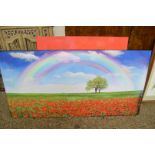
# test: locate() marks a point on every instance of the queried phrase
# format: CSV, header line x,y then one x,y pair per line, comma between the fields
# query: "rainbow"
x,y
87,63
100,61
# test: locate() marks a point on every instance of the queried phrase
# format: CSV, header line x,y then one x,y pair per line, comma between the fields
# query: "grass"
x,y
75,96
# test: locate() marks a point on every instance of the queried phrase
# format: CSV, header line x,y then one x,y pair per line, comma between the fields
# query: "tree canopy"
x,y
97,84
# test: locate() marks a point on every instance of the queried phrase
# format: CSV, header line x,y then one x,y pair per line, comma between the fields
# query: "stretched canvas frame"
x,y
100,107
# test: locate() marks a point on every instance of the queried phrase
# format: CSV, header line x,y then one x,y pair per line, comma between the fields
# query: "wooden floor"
x,y
145,119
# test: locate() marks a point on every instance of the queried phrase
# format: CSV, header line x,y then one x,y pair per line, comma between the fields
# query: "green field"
x,y
76,96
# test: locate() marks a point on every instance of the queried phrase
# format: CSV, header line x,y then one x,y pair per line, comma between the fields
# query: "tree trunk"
x,y
99,90
95,90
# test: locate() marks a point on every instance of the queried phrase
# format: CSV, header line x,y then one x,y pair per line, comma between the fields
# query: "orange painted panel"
x,y
82,43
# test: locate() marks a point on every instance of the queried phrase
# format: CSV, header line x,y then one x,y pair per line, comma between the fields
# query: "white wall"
x,y
59,30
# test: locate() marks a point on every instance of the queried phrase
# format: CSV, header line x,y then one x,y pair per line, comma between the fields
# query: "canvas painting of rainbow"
x,y
74,83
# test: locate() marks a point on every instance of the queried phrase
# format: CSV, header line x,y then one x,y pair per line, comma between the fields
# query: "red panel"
x,y
82,43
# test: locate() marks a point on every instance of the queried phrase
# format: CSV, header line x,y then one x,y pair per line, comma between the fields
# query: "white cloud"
x,y
115,88
27,56
66,57
129,69
63,88
113,53
31,86
80,75
50,88
93,54
36,87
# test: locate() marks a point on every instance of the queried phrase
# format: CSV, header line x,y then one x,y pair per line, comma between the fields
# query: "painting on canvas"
x,y
74,83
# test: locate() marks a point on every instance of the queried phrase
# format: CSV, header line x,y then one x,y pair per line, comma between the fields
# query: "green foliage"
x,y
97,83
103,115
90,85
66,115
20,115
19,109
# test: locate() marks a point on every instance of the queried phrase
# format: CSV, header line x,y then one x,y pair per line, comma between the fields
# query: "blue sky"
x,y
71,77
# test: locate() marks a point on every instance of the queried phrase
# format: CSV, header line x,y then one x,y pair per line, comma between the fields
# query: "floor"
x,y
145,119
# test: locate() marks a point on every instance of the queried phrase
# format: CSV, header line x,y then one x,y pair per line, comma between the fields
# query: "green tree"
x,y
97,84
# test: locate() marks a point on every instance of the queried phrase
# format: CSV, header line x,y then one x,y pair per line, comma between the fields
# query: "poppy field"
x,y
73,104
